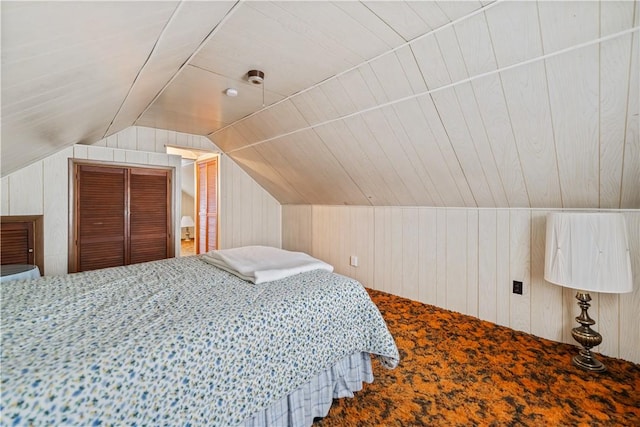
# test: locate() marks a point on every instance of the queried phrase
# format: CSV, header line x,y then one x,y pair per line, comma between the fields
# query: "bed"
x,y
183,342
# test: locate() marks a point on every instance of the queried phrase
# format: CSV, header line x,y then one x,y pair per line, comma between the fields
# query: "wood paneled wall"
x,y
248,214
465,260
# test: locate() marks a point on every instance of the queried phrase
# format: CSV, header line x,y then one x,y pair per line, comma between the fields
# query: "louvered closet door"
x,y
207,237
101,223
123,216
150,213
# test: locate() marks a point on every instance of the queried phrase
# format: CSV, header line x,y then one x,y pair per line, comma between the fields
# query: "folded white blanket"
x,y
259,264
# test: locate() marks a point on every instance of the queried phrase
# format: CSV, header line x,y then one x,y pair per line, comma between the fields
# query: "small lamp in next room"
x,y
187,222
588,252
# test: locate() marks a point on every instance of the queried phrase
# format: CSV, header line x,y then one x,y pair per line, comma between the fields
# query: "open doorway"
x,y
199,203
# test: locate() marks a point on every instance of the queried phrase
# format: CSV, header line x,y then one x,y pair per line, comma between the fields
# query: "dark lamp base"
x,y
587,337
588,363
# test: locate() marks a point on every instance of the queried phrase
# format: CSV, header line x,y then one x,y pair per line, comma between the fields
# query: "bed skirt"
x,y
315,397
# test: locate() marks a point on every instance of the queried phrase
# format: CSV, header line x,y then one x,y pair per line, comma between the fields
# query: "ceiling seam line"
x,y
385,22
278,173
600,107
214,31
442,154
428,92
406,136
387,157
331,153
454,152
368,61
513,134
466,123
411,158
634,41
388,190
482,119
553,127
146,62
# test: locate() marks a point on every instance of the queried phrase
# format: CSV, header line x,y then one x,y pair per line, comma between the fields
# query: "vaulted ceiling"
x,y
448,103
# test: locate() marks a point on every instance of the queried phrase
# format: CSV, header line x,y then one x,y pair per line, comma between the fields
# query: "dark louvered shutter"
x,y
17,243
101,217
150,213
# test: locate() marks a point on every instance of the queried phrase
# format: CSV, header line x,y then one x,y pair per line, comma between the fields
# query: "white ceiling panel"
x,y
495,117
427,150
574,97
359,89
296,156
630,197
338,97
377,149
614,84
282,118
430,12
349,151
376,25
475,43
430,61
411,69
484,150
439,132
392,77
276,37
184,33
448,106
403,17
450,49
195,102
64,78
568,23
275,181
456,9
228,137
528,103
394,146
361,39
439,103
314,105
515,31
407,160
615,16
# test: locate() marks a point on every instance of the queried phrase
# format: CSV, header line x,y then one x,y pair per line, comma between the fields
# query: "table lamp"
x,y
588,252
187,222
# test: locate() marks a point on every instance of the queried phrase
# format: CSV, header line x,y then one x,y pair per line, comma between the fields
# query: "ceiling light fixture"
x,y
231,92
255,76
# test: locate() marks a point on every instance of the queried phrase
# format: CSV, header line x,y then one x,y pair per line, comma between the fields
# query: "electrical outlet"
x,y
517,287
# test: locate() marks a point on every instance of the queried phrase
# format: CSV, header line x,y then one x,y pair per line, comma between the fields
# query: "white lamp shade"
x,y
588,251
186,221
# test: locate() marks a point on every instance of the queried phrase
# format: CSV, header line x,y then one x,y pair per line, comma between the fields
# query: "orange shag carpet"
x,y
456,370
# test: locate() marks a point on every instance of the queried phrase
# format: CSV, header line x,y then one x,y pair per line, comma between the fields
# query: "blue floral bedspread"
x,y
175,342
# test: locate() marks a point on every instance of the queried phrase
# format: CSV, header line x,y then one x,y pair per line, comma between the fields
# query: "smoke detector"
x,y
256,77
